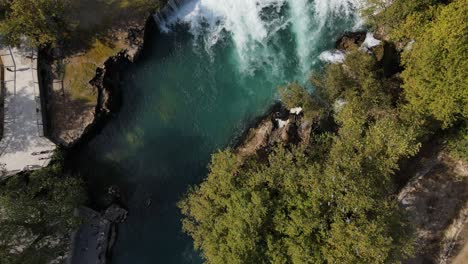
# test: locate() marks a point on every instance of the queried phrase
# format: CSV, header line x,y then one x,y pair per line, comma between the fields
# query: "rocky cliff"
x,y
78,76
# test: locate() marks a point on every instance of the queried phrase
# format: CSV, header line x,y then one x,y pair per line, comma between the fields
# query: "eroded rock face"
x,y
256,139
279,126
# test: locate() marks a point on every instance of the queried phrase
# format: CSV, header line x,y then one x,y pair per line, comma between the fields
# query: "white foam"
x,y
370,41
252,23
309,20
209,20
332,56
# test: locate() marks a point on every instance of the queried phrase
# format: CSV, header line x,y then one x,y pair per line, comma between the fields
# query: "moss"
x,y
97,36
82,69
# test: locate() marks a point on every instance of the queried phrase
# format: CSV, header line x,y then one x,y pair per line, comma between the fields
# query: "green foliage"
x,y
435,78
38,215
414,24
374,144
333,201
295,95
42,22
458,143
294,210
328,204
147,5
358,76
403,19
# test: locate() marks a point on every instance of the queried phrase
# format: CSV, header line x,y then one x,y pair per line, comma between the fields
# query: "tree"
x,y
435,77
397,17
294,209
295,95
41,22
38,215
357,76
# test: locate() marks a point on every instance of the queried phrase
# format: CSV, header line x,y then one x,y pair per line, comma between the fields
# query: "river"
x,y
213,66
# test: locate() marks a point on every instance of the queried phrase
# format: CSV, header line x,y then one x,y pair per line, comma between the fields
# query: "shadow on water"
x,y
152,159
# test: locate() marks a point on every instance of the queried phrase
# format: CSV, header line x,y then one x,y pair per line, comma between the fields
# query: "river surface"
x,y
215,66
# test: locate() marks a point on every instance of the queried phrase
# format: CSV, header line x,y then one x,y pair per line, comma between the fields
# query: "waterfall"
x,y
308,20
170,9
253,24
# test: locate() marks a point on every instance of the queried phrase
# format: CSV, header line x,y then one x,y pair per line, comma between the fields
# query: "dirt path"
x,y
436,199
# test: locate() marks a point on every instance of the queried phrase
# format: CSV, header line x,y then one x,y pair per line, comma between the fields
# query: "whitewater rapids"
x,y
254,25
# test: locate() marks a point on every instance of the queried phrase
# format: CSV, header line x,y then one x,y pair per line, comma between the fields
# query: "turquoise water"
x,y
185,99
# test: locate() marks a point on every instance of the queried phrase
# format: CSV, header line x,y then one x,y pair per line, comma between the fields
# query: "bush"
x,y
358,76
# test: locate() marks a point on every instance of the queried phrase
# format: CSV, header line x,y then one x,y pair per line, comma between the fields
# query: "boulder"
x,y
115,214
351,40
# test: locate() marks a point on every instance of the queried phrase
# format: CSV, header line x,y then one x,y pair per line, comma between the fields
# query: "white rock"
x,y
295,110
282,123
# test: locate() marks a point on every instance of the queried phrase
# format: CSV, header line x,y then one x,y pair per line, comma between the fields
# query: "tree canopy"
x,y
44,22
294,95
401,19
436,74
329,202
38,215
293,209
41,22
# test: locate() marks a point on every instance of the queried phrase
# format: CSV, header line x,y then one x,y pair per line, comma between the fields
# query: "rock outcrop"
x,y
95,238
278,126
350,40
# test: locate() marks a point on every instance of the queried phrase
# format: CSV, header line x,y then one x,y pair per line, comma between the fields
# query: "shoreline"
x,y
107,81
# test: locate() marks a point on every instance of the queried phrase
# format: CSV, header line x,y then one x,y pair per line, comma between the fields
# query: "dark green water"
x,y
182,102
